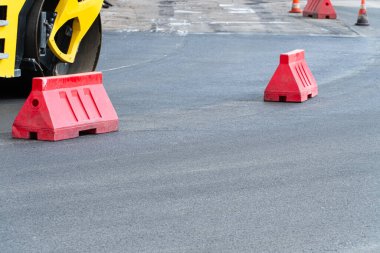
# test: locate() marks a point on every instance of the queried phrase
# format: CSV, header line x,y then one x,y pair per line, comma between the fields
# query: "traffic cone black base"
x,y
362,21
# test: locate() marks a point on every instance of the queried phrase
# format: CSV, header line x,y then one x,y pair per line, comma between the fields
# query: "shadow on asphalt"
x,y
15,88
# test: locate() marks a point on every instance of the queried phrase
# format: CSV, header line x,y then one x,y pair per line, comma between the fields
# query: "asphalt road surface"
x,y
201,163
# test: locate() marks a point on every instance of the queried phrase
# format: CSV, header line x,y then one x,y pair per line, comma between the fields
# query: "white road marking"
x,y
226,5
187,12
246,22
185,23
240,10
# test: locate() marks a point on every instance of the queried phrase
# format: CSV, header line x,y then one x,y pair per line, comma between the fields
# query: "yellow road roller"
x,y
48,37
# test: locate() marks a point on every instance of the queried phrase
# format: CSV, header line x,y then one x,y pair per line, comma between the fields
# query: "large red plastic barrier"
x,y
292,81
321,9
65,107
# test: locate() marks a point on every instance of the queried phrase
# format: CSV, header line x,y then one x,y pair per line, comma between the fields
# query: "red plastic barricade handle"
x,y
67,81
293,56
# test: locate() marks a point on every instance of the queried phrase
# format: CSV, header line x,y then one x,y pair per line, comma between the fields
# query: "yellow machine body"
x,y
8,35
82,14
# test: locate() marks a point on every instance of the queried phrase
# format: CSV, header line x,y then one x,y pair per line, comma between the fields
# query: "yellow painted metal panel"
x,y
9,33
83,13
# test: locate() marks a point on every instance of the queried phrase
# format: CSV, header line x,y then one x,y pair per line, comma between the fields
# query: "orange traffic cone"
x,y
362,18
296,8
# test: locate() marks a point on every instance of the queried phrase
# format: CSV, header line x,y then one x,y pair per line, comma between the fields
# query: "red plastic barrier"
x,y
65,107
321,9
292,81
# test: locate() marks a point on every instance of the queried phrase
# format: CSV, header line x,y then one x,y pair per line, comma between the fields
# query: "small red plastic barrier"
x,y
321,9
292,81
65,107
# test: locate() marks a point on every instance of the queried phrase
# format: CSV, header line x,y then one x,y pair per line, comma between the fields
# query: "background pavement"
x,y
224,16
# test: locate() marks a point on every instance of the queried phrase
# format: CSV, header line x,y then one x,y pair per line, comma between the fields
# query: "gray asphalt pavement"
x,y
201,163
